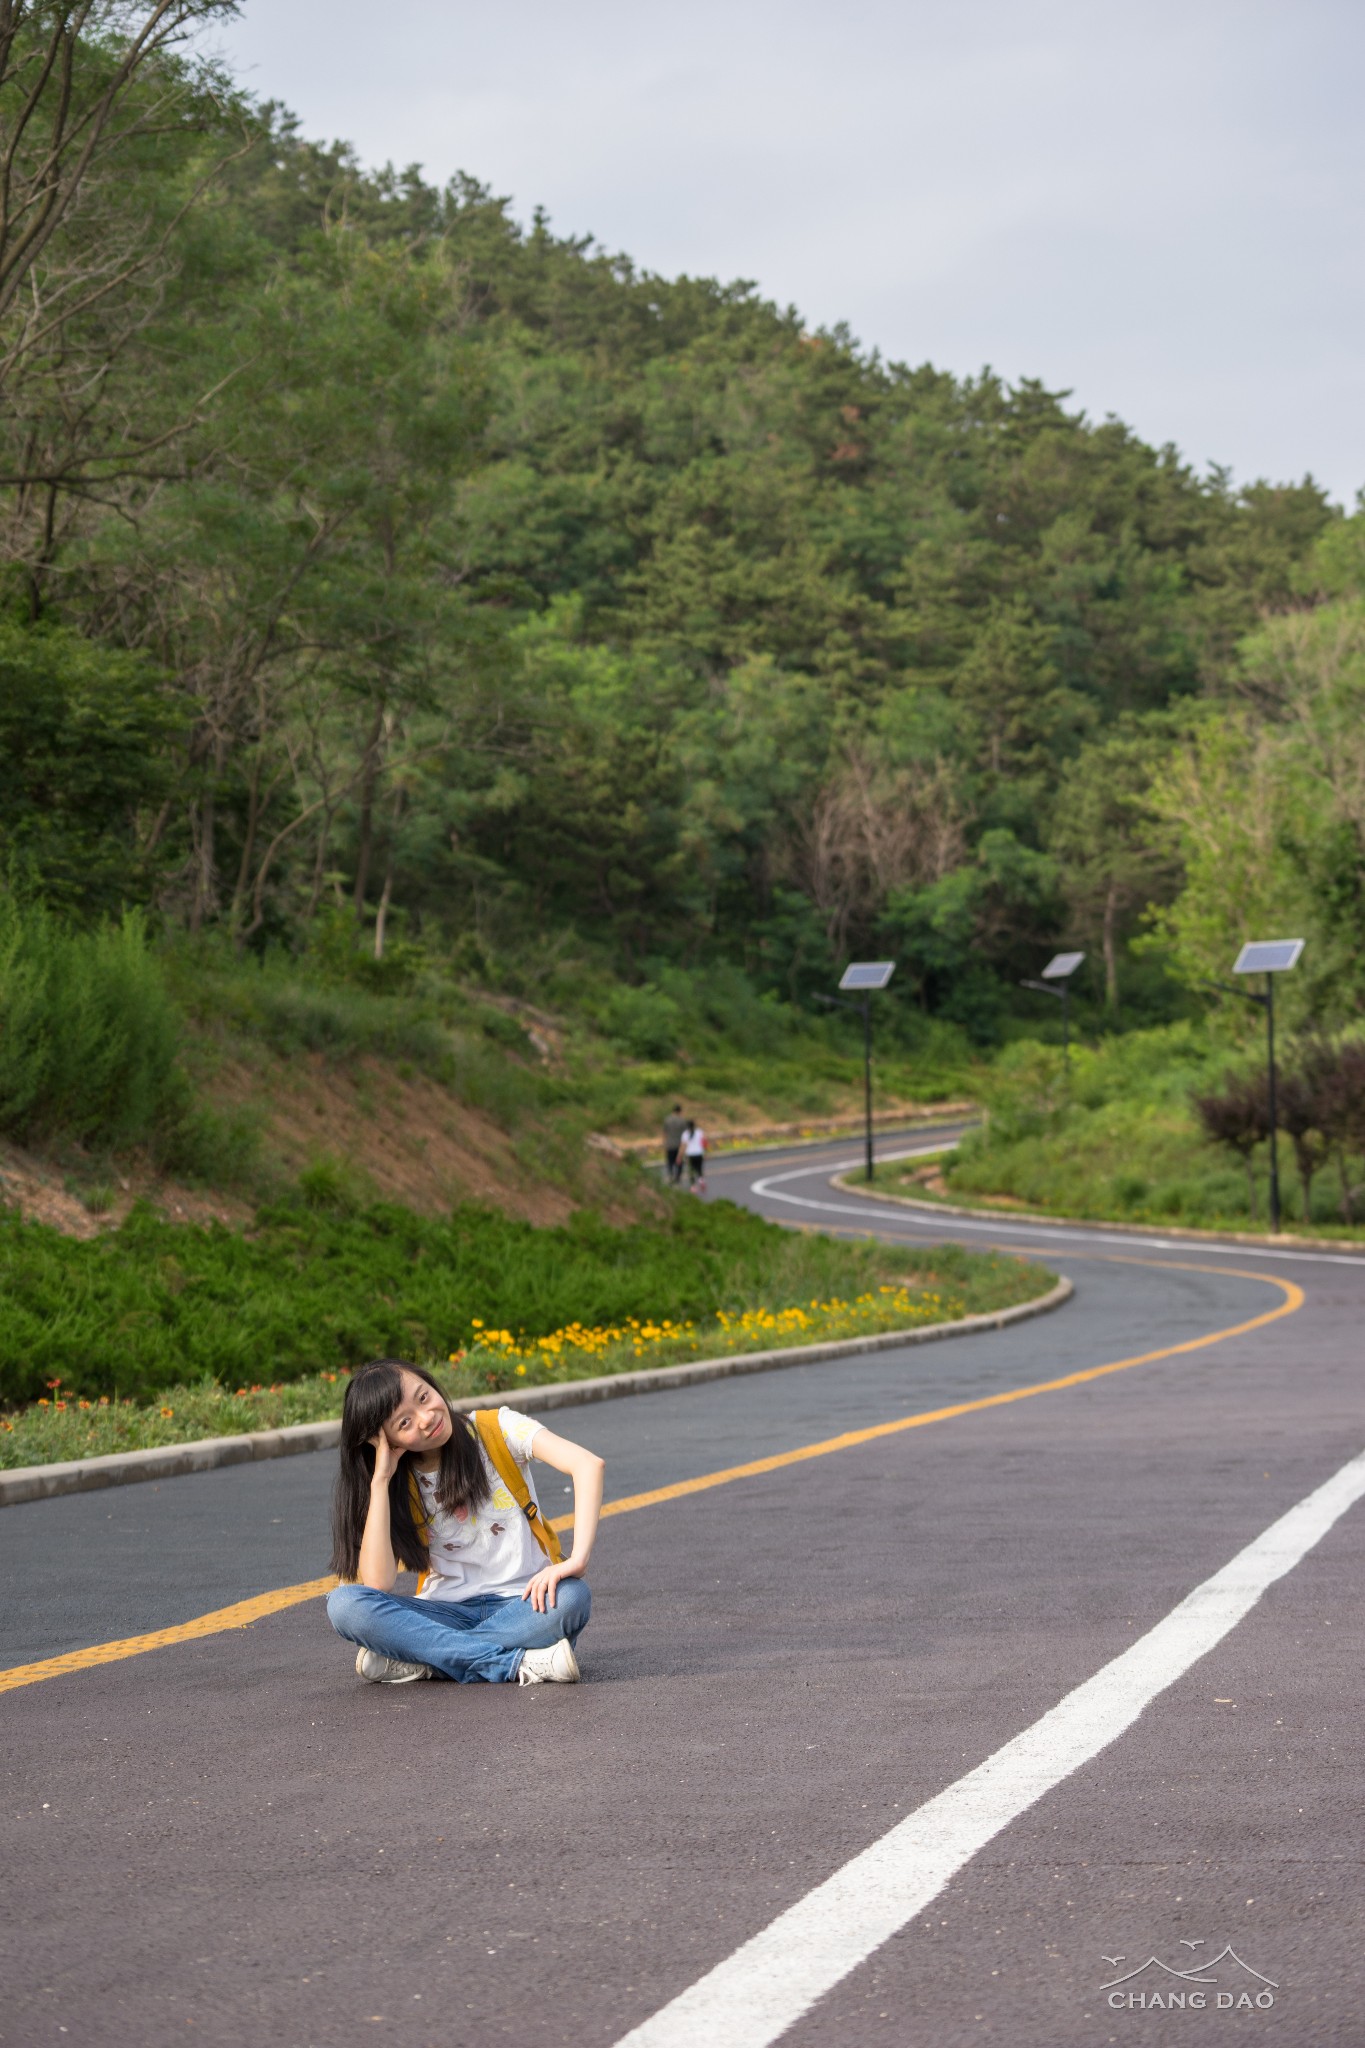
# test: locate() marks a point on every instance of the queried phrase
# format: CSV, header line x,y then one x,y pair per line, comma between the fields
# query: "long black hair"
x,y
462,1481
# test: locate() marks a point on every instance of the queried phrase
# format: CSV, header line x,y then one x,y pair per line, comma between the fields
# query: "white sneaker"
x,y
378,1669
555,1666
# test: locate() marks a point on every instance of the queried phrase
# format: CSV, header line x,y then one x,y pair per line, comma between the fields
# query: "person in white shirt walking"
x,y
694,1152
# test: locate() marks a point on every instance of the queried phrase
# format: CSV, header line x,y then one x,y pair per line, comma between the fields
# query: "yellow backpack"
x,y
485,1421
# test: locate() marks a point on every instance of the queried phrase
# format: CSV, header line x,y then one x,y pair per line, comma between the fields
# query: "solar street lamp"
x,y
1056,981
1269,957
864,978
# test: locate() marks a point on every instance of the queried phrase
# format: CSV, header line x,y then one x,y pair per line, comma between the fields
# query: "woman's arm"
x,y
378,1565
585,1469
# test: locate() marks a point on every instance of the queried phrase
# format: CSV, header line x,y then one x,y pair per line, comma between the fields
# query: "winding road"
x,y
1014,1698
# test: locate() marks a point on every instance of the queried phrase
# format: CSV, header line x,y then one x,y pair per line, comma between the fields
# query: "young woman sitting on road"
x,y
451,1497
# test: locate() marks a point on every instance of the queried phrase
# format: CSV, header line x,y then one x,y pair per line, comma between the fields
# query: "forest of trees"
x,y
376,565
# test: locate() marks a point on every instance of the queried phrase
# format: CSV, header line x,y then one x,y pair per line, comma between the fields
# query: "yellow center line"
x,y
243,1612
1293,1300
240,1615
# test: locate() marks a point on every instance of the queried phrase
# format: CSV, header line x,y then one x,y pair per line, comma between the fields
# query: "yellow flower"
x,y
167,1413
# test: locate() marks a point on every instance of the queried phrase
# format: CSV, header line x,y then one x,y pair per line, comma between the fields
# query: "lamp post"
x,y
863,978
1269,957
1056,981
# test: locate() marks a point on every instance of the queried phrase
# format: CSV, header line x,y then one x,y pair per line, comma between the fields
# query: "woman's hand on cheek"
x,y
541,1590
385,1459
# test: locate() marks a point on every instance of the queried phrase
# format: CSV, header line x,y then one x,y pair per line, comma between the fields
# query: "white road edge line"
x,y
766,1986
1045,1233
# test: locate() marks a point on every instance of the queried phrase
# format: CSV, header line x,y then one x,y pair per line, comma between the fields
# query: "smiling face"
x,y
420,1423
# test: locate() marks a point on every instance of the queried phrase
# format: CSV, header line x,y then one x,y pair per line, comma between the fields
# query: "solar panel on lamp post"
x,y
864,977
1269,957
1059,970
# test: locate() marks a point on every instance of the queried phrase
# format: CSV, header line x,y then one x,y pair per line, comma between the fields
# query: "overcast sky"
x,y
1155,205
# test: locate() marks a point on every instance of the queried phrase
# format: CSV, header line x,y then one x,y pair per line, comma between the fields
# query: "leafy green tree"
x,y
112,128
1228,800
1018,714
1266,804
984,920
296,580
1115,859
85,732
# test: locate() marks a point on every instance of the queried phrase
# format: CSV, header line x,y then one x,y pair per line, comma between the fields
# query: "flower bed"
x,y
58,1427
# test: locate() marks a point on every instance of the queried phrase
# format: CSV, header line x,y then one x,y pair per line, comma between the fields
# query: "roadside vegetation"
x,y
1165,1126
730,1282
155,1304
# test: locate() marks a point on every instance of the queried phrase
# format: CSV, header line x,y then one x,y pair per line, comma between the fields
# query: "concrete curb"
x,y
1095,1223
174,1461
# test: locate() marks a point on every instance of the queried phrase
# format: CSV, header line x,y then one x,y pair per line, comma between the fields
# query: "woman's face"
x,y
421,1421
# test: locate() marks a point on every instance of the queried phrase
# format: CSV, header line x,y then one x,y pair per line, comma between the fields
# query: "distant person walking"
x,y
675,1123
694,1151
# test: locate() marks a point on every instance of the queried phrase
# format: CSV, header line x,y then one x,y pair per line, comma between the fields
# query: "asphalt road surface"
x,y
919,1724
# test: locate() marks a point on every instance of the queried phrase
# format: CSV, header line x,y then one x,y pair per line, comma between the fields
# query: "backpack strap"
x,y
485,1421
419,1519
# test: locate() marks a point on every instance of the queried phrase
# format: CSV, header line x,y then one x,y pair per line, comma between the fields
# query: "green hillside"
x,y
414,621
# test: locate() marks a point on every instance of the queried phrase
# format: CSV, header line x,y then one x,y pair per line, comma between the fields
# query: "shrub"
x,y
502,1029
1024,1092
89,1035
642,1021
1237,1117
333,1185
222,1147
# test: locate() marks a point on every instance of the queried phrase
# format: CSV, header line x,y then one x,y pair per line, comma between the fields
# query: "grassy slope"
x,y
431,1093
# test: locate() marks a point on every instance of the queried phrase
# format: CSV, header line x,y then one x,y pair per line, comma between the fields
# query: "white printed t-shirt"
x,y
488,1549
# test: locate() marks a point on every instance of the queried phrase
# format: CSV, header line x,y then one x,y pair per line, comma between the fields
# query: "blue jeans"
x,y
468,1640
